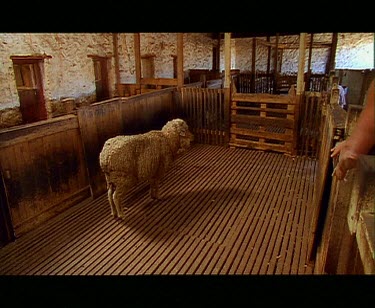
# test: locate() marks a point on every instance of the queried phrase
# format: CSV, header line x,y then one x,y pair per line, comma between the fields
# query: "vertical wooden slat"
x,y
227,57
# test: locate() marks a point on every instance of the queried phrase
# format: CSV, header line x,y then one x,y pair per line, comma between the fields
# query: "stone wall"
x,y
354,51
197,53
69,72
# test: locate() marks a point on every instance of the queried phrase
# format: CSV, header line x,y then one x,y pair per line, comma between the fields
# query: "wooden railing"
x,y
332,132
343,227
347,241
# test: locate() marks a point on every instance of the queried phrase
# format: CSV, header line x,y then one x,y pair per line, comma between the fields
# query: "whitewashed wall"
x,y
197,53
69,73
354,51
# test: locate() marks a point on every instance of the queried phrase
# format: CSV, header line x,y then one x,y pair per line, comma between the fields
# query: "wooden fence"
x,y
204,111
310,123
344,237
44,170
264,121
332,131
347,240
263,82
120,116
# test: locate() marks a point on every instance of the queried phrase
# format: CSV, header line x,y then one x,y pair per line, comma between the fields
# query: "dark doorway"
x,y
101,77
28,75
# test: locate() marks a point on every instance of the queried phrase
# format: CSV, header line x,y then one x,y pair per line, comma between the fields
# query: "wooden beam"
x,y
218,54
227,89
180,59
268,55
160,81
330,66
252,81
307,79
290,45
137,52
275,73
227,57
301,63
117,66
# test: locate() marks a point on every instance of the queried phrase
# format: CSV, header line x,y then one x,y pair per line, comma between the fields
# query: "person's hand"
x,y
347,159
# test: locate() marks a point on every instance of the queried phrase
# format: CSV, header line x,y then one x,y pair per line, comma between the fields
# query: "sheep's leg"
x,y
154,188
119,195
110,199
110,190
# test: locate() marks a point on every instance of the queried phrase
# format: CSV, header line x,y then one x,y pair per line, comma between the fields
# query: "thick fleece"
x,y
128,160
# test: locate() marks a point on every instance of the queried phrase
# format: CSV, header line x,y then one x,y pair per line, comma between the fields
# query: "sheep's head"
x,y
179,131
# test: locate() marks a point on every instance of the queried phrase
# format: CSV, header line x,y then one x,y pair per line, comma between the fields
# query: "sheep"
x,y
127,160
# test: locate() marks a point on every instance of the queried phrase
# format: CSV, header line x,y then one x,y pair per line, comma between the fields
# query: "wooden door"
x,y
101,78
30,89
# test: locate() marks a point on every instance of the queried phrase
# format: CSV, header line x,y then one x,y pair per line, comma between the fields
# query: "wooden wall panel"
x,y
44,170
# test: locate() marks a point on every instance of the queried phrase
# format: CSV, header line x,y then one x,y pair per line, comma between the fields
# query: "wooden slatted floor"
x,y
223,211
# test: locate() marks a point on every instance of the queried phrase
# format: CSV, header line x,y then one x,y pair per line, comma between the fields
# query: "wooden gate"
x,y
204,111
264,121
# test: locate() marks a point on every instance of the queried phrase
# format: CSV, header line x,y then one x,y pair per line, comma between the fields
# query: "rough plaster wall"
x,y
354,51
69,73
197,53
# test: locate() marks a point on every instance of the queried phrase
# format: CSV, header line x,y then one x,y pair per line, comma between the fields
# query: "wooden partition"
x,y
347,240
43,170
310,123
264,121
333,129
204,112
120,116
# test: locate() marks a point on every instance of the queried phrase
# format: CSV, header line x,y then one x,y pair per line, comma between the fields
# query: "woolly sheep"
x,y
129,159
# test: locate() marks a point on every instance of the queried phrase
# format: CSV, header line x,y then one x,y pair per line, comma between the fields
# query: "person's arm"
x,y
360,141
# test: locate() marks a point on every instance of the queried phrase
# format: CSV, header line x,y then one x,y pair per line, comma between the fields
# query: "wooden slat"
x,y
262,134
262,98
223,210
269,121
253,226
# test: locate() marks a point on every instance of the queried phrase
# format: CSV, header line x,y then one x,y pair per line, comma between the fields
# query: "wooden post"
x,y
300,84
332,55
180,59
227,79
117,67
218,54
227,60
301,63
137,51
268,55
252,81
275,73
308,76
